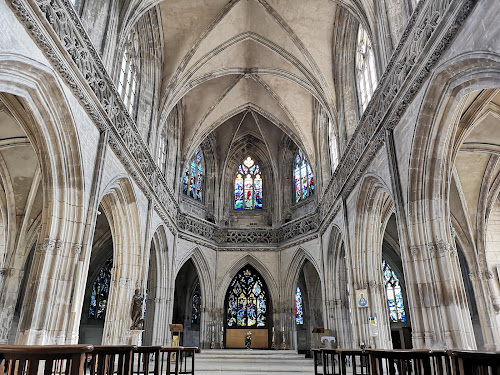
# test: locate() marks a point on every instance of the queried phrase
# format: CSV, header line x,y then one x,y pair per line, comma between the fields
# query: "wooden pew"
x,y
402,362
356,358
110,360
480,363
51,359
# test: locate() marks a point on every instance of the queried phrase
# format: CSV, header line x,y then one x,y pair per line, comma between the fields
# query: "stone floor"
x,y
252,362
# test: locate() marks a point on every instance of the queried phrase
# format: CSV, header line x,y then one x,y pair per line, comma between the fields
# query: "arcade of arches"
x,y
263,165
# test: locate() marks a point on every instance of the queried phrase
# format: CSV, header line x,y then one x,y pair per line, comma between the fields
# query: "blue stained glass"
x,y
192,181
195,308
394,293
256,289
299,313
248,186
249,308
303,177
100,291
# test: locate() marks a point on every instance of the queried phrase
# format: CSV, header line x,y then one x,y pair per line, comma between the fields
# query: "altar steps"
x,y
252,362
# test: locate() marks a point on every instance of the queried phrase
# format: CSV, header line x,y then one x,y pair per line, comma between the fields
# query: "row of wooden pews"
x,y
405,362
95,360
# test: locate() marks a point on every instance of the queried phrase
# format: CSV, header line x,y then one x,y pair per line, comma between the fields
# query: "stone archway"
x,y
248,308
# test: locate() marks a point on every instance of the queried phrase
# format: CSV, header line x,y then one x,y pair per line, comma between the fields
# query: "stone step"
x,y
249,362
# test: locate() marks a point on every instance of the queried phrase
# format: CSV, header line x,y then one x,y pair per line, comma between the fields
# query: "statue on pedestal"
x,y
136,311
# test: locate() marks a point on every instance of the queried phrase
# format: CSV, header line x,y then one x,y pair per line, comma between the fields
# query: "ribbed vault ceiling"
x,y
224,58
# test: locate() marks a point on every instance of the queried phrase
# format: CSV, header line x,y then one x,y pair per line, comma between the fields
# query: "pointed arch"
x,y
299,258
37,101
202,267
270,281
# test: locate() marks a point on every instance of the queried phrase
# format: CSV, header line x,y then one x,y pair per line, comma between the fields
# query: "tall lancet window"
x,y
195,305
366,74
192,181
100,291
299,307
129,72
394,294
248,186
303,177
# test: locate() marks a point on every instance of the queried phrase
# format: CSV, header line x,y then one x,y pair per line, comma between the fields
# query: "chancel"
x,y
261,174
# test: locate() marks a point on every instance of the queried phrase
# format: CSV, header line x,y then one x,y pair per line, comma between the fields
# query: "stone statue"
x,y
136,311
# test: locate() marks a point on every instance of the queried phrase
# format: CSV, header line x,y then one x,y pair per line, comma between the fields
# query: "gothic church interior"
x,y
271,166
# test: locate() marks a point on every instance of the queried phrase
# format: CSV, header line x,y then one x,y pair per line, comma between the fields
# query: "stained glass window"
x,y
192,181
100,291
334,153
299,311
394,294
129,71
366,74
248,186
303,176
162,153
246,300
196,302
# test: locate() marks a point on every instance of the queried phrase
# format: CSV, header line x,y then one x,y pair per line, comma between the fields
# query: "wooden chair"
x,y
185,353
358,359
317,358
167,356
141,360
110,360
477,363
331,361
51,359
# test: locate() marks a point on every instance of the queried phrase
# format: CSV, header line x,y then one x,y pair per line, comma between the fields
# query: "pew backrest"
x,y
49,359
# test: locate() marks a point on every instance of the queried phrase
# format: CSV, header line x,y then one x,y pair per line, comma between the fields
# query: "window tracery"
x,y
299,307
394,294
248,186
247,300
162,154
366,74
127,84
334,153
303,177
192,181
195,305
100,291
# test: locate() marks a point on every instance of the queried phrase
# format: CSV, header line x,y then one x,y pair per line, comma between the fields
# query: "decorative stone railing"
x,y
429,32
208,231
59,33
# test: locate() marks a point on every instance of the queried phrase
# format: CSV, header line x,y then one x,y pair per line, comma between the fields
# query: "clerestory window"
x,y
303,177
248,186
192,181
129,71
366,75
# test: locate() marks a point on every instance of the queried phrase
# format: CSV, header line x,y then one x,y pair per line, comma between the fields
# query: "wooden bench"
x,y
477,363
141,360
49,359
110,359
424,362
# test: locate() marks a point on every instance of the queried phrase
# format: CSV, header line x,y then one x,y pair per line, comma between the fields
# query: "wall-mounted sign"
x,y
362,298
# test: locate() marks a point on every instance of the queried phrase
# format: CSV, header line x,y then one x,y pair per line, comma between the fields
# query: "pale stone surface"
x,y
260,79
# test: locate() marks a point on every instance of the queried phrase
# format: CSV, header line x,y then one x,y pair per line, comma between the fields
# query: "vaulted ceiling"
x,y
223,58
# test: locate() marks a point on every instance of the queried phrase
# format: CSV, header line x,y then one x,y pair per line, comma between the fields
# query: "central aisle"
x,y
250,362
